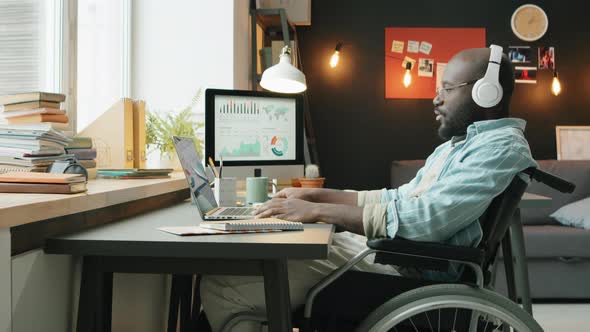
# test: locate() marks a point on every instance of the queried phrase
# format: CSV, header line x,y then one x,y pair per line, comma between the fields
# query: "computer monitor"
x,y
254,129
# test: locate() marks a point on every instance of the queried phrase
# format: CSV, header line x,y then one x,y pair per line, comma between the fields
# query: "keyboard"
x,y
237,211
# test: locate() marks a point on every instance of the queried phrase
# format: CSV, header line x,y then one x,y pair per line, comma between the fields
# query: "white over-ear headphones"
x,y
487,91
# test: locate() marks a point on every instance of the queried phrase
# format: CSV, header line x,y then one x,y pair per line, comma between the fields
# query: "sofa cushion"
x,y
576,171
556,241
576,214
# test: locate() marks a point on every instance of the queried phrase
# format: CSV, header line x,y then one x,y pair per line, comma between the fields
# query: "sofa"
x,y
558,256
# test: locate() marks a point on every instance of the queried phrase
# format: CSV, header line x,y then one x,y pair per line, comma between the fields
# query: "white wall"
x,y
181,45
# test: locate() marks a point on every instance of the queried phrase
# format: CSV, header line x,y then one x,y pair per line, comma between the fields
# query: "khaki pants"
x,y
224,296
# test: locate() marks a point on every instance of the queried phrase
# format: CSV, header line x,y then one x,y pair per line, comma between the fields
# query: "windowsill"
x,y
21,209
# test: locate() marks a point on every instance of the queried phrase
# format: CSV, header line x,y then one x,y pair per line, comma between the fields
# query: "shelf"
x,y
270,20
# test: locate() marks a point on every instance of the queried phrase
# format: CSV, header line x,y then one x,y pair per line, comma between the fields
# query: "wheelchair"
x,y
348,300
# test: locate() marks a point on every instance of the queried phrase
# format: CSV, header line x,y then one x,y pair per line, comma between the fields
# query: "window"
x,y
102,57
30,46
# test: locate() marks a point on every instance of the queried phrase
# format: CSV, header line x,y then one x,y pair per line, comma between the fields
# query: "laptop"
x,y
198,182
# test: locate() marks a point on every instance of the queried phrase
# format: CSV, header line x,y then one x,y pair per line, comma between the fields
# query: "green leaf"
x,y
160,127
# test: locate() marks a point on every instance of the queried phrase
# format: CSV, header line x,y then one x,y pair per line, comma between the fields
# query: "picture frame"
x,y
573,142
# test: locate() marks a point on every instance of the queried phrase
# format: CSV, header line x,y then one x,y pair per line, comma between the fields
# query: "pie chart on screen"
x,y
278,146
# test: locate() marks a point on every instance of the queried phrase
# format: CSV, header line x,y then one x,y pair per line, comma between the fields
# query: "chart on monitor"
x,y
255,128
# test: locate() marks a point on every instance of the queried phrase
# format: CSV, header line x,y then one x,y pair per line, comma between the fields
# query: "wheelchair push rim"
x,y
434,298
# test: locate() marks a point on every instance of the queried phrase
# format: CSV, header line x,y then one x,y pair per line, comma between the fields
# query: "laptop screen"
x,y
201,192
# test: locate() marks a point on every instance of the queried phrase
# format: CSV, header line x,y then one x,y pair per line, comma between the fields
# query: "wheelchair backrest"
x,y
497,218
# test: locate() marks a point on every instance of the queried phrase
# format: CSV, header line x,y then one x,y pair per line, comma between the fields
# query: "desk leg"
x,y
276,291
521,267
96,297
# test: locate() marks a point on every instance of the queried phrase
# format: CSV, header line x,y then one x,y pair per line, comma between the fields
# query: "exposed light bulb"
x,y
408,75
336,56
334,59
555,85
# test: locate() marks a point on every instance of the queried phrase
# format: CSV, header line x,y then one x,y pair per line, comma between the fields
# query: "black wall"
x,y
359,132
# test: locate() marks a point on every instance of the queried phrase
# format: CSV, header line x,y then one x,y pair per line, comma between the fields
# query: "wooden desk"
x,y
136,246
21,209
26,220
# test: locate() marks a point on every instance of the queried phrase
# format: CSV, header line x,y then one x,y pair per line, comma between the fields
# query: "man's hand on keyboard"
x,y
292,209
306,194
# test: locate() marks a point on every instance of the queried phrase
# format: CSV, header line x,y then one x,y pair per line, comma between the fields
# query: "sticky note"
x,y
397,46
425,47
413,46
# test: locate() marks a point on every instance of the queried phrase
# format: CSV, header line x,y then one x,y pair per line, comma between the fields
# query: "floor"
x,y
563,317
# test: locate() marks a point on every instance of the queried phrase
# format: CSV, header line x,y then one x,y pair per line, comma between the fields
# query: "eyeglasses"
x,y
444,90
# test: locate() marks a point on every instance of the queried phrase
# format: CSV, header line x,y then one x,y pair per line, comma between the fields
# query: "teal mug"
x,y
256,189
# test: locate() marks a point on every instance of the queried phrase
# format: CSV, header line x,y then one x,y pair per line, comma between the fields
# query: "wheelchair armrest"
x,y
428,250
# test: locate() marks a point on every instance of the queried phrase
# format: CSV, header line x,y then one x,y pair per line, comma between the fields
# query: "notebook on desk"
x,y
254,224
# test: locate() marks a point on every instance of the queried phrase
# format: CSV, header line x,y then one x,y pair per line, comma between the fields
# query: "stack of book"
x,y
32,108
82,148
30,148
42,183
30,131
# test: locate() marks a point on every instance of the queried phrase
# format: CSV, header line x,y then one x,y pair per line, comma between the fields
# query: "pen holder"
x,y
224,190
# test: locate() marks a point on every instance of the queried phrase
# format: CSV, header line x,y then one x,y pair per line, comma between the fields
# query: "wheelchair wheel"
x,y
451,307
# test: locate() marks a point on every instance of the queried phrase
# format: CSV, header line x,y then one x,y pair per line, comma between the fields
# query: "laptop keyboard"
x,y
237,212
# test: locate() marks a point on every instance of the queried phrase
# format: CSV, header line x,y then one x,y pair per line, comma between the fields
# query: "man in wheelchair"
x,y
484,150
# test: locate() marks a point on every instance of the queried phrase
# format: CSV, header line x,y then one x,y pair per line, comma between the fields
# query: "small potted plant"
x,y
161,126
312,177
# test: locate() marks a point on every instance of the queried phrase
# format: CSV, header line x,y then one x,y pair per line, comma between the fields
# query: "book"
x,y
134,173
37,118
137,170
254,224
43,126
139,156
131,177
31,96
34,111
79,142
29,105
83,154
196,230
28,142
42,188
4,168
16,151
87,163
41,177
32,161
91,173
114,129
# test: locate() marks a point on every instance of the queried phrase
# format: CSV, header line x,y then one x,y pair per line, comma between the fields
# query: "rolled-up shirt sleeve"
x,y
457,199
374,204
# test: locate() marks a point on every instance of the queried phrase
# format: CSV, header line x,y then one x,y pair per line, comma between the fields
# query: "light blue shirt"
x,y
477,169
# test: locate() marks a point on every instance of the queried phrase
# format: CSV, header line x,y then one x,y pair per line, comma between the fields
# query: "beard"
x,y
455,124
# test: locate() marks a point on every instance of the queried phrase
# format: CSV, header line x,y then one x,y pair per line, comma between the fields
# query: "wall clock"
x,y
529,22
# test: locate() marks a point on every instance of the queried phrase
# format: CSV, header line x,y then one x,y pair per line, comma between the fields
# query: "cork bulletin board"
x,y
427,47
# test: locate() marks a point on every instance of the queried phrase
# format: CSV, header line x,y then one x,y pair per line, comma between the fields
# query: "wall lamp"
x,y
408,74
555,85
336,56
